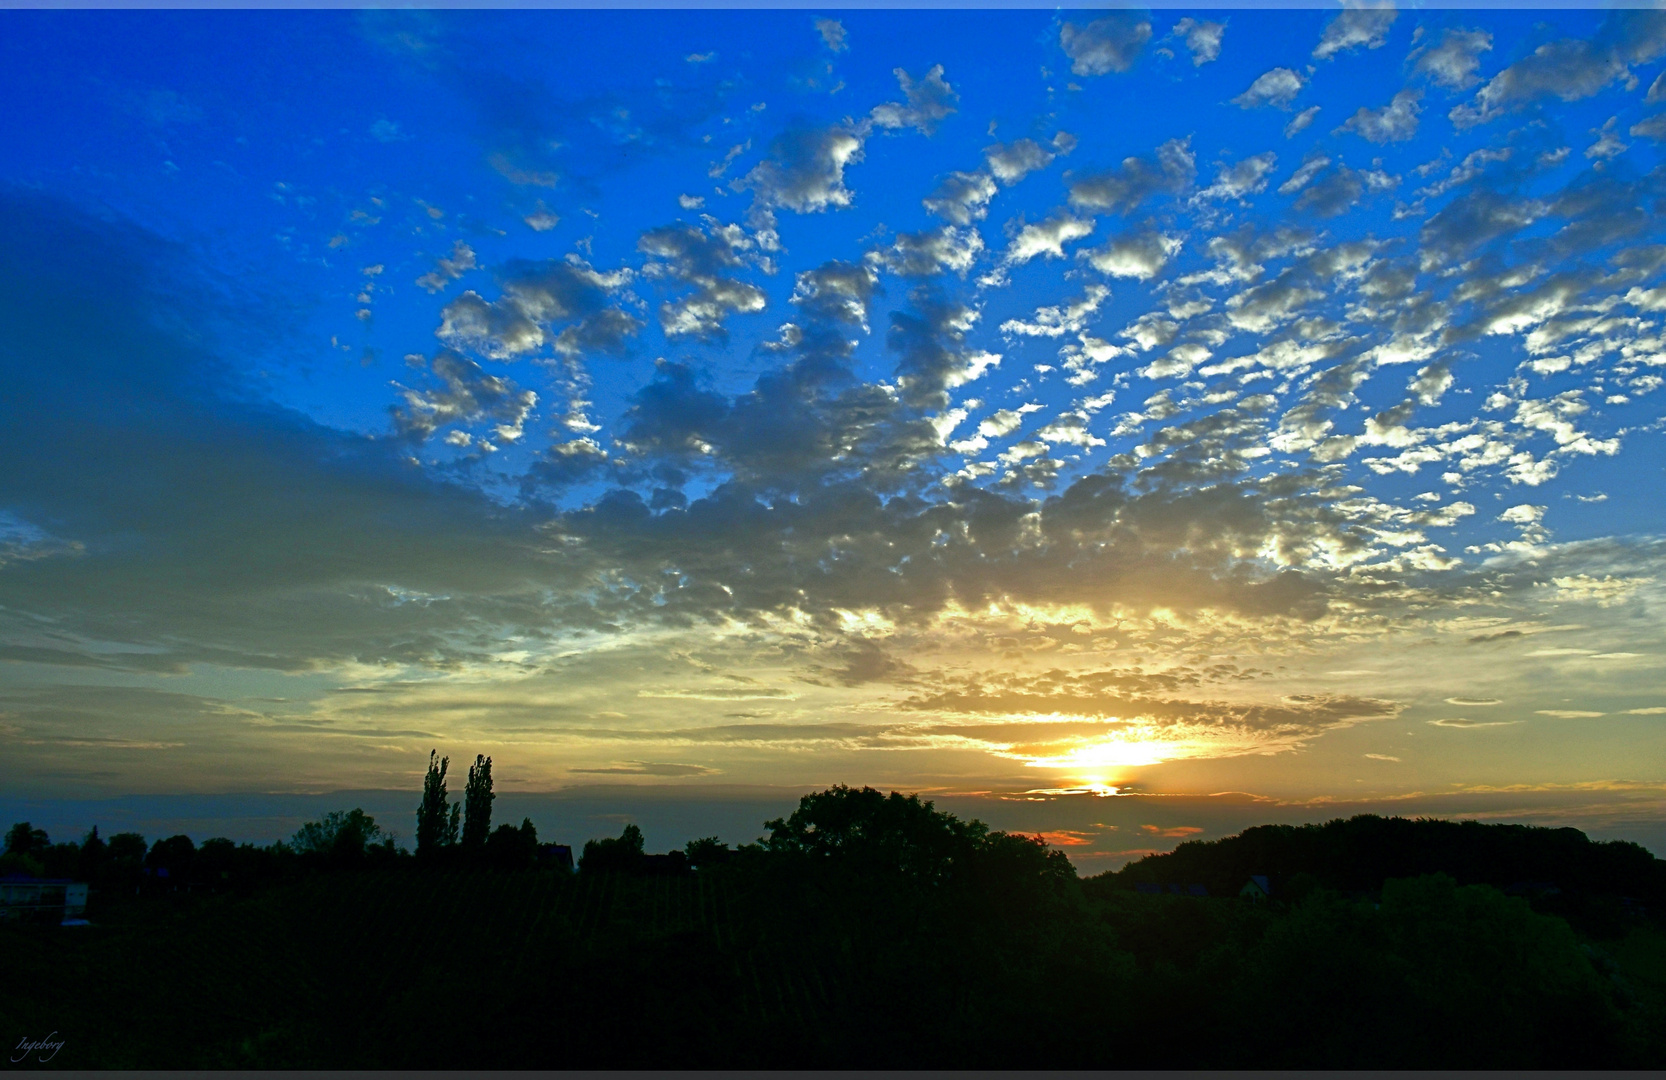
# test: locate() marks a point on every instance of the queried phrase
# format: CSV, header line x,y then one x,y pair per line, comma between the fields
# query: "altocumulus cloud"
x,y
925,444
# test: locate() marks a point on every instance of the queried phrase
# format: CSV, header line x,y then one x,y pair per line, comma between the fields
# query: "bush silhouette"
x,y
620,853
511,848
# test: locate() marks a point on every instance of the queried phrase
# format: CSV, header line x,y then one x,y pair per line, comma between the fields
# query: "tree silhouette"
x,y
894,833
511,847
477,805
436,816
343,836
127,850
93,853
1358,854
622,852
24,839
216,859
172,857
706,851
25,848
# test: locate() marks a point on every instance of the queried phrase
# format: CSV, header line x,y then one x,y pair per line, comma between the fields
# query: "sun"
x,y
1111,752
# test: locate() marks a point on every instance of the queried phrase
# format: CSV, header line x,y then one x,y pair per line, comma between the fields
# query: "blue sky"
x,y
1011,405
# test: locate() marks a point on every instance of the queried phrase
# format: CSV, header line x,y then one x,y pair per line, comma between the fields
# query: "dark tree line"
x,y
866,930
128,864
342,839
1563,870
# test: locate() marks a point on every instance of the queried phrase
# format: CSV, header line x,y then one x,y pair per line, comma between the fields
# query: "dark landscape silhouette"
x,y
864,930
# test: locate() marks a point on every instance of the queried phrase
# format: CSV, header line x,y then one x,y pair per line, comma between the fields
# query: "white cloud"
x,y
806,170
520,175
536,298
1301,121
1203,39
1455,59
930,101
1570,68
1247,177
926,253
1122,190
1394,122
1011,162
1056,321
1431,383
1047,238
706,259
469,395
1140,255
1354,27
449,268
1105,45
1005,421
1523,514
832,33
962,198
1263,307
1608,142
1069,429
1653,127
1555,417
541,220
1277,87
1461,722
1177,362
1303,175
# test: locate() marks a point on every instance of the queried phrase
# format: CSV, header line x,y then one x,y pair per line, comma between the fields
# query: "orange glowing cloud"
x,y
1179,832
1061,838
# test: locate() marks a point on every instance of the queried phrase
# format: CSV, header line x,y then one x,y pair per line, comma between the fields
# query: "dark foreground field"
x,y
793,958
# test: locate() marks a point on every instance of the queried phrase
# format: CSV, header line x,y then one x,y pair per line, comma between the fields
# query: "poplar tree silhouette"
x,y
477,804
436,817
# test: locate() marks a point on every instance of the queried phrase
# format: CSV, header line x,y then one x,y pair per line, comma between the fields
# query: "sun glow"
x,y
1112,752
1089,787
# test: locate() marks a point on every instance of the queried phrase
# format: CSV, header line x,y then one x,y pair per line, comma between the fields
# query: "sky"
x,y
1124,426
